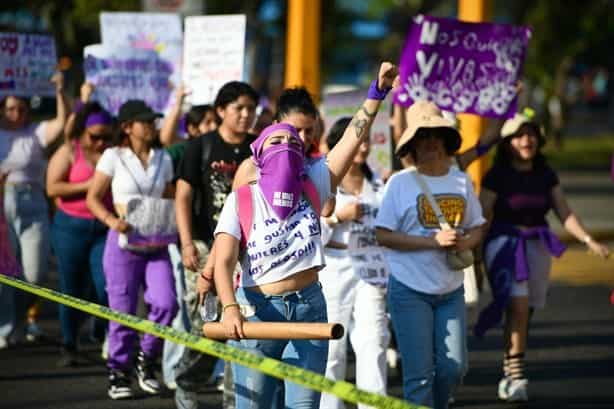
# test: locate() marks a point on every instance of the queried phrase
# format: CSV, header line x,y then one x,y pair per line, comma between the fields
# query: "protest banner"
x,y
27,62
122,73
154,32
213,54
339,104
462,67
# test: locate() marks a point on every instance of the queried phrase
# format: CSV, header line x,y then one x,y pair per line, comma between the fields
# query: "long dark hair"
x,y
503,157
334,136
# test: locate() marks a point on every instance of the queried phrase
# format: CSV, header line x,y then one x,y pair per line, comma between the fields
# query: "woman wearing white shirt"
x,y
283,251
425,295
355,277
23,162
132,171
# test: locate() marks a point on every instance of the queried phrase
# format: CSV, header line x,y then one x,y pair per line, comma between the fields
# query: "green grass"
x,y
582,153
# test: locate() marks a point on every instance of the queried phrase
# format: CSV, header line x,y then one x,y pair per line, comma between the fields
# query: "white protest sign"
x,y
213,54
123,73
155,32
27,62
340,104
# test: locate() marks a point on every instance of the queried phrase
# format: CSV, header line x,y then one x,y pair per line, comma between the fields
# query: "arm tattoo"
x,y
359,125
367,113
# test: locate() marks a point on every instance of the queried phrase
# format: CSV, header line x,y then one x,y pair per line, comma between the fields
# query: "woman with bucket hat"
x,y
516,194
136,172
428,219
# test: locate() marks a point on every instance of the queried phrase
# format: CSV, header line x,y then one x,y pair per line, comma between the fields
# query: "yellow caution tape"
x,y
341,389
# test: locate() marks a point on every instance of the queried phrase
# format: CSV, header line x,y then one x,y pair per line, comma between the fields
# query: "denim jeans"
x,y
27,217
253,389
172,352
78,245
431,335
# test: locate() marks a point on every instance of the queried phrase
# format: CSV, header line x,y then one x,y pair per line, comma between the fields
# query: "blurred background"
x,y
567,73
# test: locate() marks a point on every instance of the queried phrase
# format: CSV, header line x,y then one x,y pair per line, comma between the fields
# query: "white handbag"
x,y
457,260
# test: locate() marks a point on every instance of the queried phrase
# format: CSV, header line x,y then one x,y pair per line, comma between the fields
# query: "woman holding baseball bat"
x,y
281,249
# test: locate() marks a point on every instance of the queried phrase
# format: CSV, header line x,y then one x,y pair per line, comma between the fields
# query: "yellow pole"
x,y
472,126
303,46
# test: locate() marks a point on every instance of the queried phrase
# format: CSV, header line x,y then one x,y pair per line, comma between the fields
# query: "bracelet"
x,y
333,219
232,304
375,93
204,277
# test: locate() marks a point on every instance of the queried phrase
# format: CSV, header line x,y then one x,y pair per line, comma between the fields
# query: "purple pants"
x,y
125,272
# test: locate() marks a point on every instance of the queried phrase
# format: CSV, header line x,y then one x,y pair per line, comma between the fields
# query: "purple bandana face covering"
x,y
282,168
98,118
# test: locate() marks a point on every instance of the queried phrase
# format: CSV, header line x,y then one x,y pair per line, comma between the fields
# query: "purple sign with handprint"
x,y
462,67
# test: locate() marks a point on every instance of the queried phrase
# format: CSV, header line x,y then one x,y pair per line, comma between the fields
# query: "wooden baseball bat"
x,y
278,330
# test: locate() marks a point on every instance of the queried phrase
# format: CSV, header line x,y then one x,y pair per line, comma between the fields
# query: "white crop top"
x,y
125,168
277,249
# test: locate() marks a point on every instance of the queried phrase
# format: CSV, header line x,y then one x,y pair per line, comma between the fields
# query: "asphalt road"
x,y
570,359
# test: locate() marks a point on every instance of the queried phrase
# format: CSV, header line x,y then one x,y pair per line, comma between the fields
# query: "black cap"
x,y
136,110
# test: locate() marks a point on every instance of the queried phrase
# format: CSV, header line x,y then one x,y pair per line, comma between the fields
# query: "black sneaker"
x,y
119,385
146,374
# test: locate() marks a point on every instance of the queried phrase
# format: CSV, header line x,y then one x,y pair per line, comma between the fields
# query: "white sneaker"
x,y
517,390
392,358
502,391
4,342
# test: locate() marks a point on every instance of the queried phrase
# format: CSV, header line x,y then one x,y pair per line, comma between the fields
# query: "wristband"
x,y
232,304
482,149
375,93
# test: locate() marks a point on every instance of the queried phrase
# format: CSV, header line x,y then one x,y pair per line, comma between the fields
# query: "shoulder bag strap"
x,y
443,223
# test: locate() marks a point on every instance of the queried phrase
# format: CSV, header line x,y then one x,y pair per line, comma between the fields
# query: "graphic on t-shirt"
x,y
452,206
220,178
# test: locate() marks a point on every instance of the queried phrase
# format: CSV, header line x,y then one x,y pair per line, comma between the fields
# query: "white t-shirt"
x,y
130,179
405,209
366,255
22,155
278,248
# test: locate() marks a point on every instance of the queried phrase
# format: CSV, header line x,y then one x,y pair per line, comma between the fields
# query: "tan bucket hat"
x,y
424,114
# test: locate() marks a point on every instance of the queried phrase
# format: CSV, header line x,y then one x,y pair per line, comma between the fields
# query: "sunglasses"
x,y
100,136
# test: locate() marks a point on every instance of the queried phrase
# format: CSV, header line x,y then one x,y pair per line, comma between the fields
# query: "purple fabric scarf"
x,y
282,168
509,264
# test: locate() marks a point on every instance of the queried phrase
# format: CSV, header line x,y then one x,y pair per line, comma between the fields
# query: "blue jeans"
x,y
171,353
253,389
431,335
27,217
78,245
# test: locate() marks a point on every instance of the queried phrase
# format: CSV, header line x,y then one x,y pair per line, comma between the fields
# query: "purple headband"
x,y
98,118
256,146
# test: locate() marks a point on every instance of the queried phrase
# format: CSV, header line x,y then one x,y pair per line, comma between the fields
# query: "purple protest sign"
x,y
462,67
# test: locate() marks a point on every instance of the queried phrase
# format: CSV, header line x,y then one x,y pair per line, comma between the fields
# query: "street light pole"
x,y
302,66
472,126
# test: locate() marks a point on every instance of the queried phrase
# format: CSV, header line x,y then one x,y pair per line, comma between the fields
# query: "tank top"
x,y
80,171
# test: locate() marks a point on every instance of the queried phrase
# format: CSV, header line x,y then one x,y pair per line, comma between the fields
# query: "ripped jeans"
x,y
253,389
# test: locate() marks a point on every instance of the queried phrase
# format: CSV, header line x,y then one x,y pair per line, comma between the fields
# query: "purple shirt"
x,y
523,198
